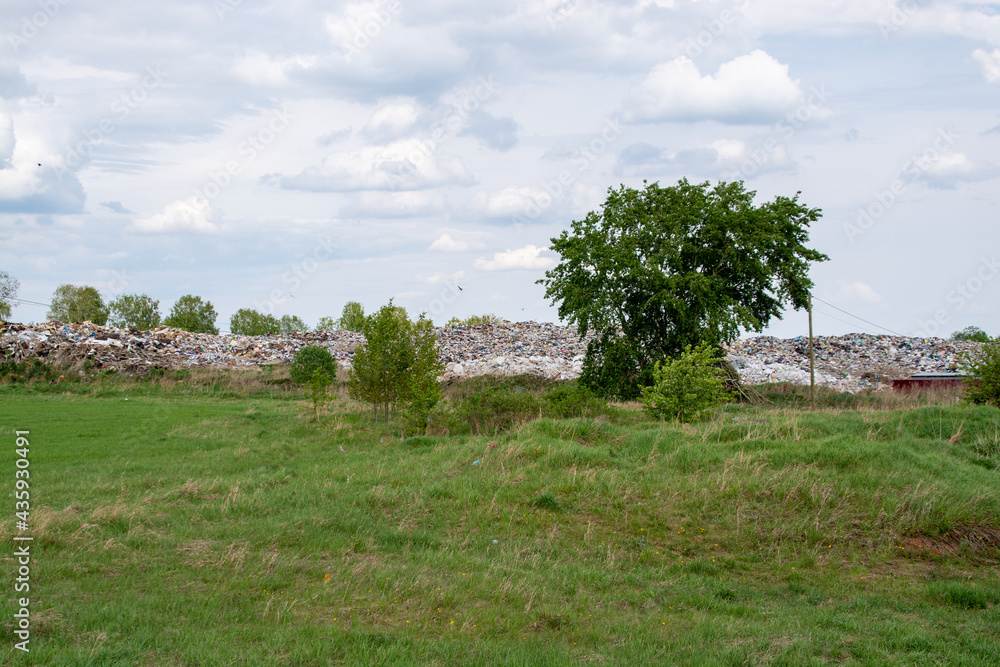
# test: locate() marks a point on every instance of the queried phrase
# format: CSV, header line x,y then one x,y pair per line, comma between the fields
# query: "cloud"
x,y
989,63
13,85
855,291
719,157
945,170
513,201
116,206
521,258
445,243
260,69
404,204
749,89
452,278
182,215
498,133
402,165
391,121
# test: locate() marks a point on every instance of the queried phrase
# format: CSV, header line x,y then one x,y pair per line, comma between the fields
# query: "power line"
x,y
33,303
857,318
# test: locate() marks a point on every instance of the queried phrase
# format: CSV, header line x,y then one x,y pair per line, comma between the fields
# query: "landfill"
x,y
847,363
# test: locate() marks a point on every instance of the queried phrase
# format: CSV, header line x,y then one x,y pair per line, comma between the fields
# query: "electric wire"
x,y
856,317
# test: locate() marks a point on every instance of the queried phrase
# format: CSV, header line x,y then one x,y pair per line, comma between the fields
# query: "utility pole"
x,y
812,358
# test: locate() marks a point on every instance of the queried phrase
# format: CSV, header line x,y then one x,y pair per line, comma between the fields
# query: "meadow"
x,y
207,518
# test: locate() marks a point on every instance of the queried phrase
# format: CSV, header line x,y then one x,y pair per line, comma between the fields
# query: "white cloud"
x,y
989,63
520,258
855,291
753,88
403,204
512,201
391,121
452,278
182,215
260,69
408,164
445,243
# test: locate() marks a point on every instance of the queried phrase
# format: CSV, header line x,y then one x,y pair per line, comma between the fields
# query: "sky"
x,y
292,156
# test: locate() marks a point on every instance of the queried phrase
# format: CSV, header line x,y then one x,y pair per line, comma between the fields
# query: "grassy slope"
x,y
174,528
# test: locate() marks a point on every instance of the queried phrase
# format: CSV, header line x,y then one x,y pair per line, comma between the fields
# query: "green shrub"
x,y
474,320
984,367
495,409
572,399
686,388
310,359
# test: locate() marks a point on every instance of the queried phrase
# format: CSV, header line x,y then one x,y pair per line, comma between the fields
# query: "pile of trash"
x,y
847,363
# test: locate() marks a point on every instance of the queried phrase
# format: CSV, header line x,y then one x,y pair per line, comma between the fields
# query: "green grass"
x,y
196,525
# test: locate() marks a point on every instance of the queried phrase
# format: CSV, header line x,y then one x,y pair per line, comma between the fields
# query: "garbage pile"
x,y
846,363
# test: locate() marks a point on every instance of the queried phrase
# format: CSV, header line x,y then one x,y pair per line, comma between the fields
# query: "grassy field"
x,y
208,520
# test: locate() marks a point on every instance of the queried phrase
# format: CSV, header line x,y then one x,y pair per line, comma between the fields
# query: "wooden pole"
x,y
812,359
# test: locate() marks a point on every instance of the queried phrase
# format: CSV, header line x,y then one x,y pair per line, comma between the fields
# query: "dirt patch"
x,y
980,540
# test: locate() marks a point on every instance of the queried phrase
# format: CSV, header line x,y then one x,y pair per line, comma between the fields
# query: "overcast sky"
x,y
292,156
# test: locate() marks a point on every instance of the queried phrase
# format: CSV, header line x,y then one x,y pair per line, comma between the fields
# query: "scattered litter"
x,y
476,462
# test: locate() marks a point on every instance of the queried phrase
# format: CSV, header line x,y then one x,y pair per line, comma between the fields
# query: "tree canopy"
x,y
249,322
192,314
140,311
352,317
658,269
78,304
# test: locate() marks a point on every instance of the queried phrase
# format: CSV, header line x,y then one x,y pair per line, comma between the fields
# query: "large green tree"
x,y
192,314
658,269
140,311
78,304
8,292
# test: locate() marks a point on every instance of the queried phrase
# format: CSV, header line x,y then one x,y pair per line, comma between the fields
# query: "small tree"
x,y
292,324
78,304
8,293
397,364
353,317
686,388
974,334
984,368
190,313
139,311
317,391
248,322
310,359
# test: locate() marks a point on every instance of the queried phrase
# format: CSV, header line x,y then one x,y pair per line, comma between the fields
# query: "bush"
x,y
984,367
310,359
496,409
572,399
686,388
317,391
474,320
